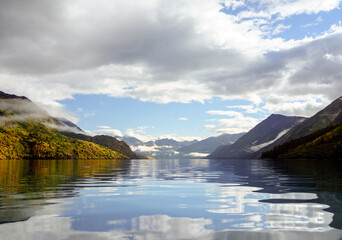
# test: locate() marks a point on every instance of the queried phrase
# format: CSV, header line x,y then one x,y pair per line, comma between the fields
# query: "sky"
x,y
179,69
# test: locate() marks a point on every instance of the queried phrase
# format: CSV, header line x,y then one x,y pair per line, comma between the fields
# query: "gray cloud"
x,y
156,51
42,38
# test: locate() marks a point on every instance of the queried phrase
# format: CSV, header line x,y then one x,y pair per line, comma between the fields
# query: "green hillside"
x,y
322,144
33,140
107,141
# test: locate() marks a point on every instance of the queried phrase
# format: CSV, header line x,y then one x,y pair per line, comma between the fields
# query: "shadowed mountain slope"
x,y
262,135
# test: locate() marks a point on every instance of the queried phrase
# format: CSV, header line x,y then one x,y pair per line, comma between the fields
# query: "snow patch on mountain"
x,y
262,145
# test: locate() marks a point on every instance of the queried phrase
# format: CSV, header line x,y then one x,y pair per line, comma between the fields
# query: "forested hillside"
x,y
33,140
322,144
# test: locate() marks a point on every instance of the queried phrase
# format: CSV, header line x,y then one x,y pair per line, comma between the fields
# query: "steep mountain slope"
x,y
208,145
20,108
330,115
107,141
33,140
20,111
322,144
262,135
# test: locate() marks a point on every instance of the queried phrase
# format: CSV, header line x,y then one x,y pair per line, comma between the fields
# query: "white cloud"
x,y
318,20
210,126
237,122
247,108
104,127
165,51
290,106
234,4
143,148
110,132
141,135
183,119
241,122
233,130
287,8
226,113
280,28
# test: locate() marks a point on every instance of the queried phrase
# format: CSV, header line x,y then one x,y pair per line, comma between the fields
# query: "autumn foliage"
x,y
33,140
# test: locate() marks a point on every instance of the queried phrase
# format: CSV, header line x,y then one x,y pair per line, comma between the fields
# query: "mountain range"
x,y
208,145
277,130
170,148
262,135
27,131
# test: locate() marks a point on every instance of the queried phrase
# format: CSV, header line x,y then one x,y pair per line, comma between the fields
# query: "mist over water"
x,y
170,199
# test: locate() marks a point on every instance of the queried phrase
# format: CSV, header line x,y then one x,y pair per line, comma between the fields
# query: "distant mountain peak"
x,y
277,116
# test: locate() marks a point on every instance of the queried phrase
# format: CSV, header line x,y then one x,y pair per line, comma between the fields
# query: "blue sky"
x,y
100,112
180,69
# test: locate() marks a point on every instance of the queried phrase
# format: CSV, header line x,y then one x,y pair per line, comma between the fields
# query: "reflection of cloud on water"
x,y
165,227
303,216
197,154
47,225
235,198
191,199
191,169
242,209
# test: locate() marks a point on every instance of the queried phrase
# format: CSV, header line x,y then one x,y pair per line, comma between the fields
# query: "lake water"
x,y
170,199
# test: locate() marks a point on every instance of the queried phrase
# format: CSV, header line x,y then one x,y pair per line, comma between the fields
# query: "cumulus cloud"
x,y
183,119
285,8
209,126
236,122
110,132
299,106
165,51
141,135
247,108
104,127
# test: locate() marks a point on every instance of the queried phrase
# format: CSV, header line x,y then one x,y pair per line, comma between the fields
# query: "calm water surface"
x,y
170,199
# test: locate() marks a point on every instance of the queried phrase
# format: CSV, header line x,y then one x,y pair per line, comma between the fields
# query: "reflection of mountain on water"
x,y
26,185
171,199
291,183
322,177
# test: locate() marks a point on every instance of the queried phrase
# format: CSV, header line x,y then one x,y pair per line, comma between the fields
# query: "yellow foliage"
x,y
32,139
